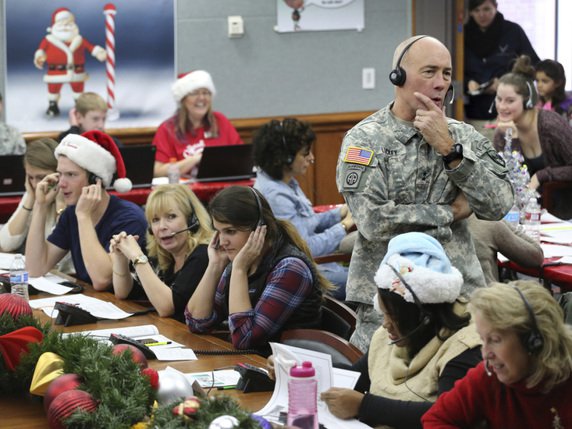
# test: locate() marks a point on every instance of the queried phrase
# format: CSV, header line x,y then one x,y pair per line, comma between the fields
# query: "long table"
x,y
28,412
204,191
551,274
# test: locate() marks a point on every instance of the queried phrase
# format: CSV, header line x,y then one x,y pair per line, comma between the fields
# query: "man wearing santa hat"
x,y
63,50
86,166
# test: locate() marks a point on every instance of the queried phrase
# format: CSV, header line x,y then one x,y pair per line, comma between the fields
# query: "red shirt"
x,y
169,146
479,397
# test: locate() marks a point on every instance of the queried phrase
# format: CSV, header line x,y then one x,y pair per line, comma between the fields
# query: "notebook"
x,y
12,175
139,161
223,163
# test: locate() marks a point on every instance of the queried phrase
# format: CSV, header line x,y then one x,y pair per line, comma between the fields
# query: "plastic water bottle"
x,y
19,277
513,216
532,219
303,397
173,172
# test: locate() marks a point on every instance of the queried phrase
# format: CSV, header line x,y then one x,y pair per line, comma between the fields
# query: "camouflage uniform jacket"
x,y
11,141
394,182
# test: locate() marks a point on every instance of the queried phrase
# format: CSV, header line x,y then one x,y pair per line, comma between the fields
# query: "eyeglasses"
x,y
204,93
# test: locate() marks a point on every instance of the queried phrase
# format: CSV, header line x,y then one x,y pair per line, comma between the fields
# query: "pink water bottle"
x,y
303,397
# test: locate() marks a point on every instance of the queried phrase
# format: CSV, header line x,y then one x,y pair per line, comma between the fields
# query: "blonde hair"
x,y
502,307
163,199
40,154
89,101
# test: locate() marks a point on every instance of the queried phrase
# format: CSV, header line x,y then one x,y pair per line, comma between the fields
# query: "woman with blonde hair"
x,y
181,138
260,276
526,377
179,231
39,161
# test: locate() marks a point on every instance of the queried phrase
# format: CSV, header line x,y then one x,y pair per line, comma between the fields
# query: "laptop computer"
x,y
224,163
139,161
12,175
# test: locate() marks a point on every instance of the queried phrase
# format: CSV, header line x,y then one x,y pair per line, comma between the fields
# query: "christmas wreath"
x,y
86,383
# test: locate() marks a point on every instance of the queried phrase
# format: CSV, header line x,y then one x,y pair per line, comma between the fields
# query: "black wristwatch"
x,y
456,153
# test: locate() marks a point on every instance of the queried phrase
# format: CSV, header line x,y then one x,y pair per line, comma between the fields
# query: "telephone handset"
x,y
92,179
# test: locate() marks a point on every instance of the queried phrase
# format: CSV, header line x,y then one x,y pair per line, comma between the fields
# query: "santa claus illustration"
x,y
63,51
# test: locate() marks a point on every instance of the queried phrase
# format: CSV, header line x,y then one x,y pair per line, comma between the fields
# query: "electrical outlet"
x,y
368,78
235,26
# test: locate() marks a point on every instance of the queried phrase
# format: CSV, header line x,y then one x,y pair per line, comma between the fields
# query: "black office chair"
x,y
338,318
341,351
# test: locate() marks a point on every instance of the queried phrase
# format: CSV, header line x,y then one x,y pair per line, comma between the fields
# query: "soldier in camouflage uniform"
x,y
409,168
11,141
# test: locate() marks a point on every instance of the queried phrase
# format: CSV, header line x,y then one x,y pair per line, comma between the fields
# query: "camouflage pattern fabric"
x,y
11,141
394,182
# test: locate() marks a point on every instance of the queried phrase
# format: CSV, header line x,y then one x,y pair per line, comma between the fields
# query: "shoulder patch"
x,y
358,155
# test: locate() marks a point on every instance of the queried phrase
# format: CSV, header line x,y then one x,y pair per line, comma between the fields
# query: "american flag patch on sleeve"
x,y
358,155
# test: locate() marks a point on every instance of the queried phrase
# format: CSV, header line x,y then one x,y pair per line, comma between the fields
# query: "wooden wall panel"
x,y
319,184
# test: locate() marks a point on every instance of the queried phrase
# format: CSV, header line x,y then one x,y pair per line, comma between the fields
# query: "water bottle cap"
x,y
304,371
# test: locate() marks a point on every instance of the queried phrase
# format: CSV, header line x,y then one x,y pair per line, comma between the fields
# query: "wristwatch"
x,y
456,153
141,259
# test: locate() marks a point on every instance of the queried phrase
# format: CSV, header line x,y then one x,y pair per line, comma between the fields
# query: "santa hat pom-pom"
x,y
122,185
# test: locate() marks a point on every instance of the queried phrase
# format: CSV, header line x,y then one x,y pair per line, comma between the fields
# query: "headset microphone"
x,y
488,368
492,106
424,322
188,228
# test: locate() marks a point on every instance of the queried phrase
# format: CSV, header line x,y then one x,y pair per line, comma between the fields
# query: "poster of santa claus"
x,y
122,50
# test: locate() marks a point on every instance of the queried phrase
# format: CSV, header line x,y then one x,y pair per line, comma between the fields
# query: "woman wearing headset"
x,y
426,342
260,276
543,137
526,379
179,231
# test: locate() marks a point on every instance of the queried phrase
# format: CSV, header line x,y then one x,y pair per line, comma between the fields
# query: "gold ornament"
x,y
48,368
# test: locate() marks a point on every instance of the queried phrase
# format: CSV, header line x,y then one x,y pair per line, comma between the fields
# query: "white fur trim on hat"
x,y
191,81
88,155
430,287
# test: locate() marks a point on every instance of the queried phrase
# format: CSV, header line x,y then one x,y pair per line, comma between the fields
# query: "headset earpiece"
x,y
529,104
260,221
533,340
398,75
193,223
289,159
92,179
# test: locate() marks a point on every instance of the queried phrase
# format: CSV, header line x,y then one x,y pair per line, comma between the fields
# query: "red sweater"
x,y
478,397
169,146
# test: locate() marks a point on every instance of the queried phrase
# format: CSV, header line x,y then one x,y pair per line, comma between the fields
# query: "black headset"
x,y
532,341
260,221
425,317
193,223
397,76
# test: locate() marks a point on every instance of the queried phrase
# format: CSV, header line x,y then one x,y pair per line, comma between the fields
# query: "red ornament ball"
x,y
188,408
136,355
153,376
61,384
14,305
68,403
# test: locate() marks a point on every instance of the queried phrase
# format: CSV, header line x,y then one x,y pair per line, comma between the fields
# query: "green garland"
x,y
124,395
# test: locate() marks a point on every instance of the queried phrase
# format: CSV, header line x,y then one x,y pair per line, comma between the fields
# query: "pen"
x,y
226,387
160,343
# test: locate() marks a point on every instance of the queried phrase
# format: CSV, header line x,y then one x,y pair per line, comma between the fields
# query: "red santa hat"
x,y
188,82
60,14
96,152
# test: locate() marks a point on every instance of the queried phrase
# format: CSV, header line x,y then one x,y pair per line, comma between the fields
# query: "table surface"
x,y
27,411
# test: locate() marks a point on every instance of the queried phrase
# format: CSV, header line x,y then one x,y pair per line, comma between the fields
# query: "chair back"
x,y
338,318
341,351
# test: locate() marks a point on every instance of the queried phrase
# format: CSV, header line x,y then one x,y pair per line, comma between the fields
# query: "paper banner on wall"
x,y
319,15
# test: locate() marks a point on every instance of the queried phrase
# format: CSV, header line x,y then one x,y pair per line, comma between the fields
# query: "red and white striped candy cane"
x,y
110,11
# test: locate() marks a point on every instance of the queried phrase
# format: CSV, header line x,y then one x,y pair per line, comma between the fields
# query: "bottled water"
x,y
19,277
532,219
513,216
173,172
303,397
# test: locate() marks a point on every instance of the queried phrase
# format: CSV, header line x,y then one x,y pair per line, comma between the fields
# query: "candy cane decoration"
x,y
109,11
